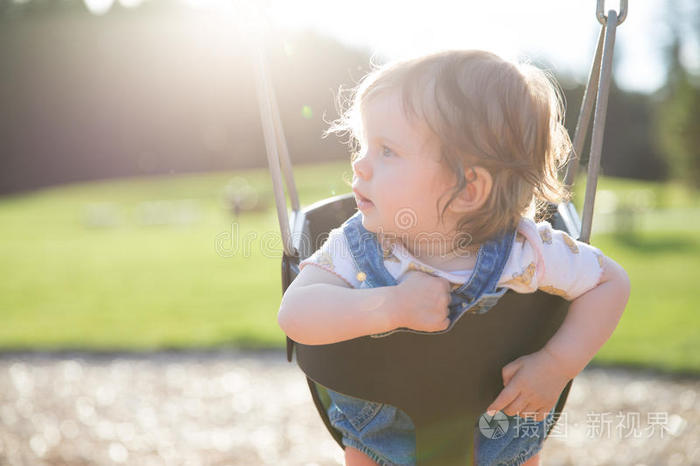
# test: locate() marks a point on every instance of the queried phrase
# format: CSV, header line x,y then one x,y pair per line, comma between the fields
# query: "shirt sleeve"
x,y
550,260
335,257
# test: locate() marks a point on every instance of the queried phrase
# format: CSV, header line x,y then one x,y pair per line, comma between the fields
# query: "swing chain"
x,y
603,19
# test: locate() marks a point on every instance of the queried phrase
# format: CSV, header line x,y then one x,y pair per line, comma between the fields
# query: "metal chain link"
x,y
603,18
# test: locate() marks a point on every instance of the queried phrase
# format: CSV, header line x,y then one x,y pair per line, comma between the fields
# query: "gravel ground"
x,y
254,408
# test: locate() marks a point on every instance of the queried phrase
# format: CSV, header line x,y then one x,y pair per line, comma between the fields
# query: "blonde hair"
x,y
485,111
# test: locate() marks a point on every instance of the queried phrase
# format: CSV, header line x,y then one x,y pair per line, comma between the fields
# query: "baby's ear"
x,y
475,193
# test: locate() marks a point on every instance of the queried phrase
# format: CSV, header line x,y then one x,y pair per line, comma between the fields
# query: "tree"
x,y
678,111
678,120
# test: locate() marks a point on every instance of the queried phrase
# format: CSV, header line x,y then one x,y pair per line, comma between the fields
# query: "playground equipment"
x,y
415,372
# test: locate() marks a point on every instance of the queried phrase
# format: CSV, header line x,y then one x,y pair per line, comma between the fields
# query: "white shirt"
x,y
541,258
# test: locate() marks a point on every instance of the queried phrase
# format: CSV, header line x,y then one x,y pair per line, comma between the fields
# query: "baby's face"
x,y
398,176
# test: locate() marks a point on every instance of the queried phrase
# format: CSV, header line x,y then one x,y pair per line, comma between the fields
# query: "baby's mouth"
x,y
362,201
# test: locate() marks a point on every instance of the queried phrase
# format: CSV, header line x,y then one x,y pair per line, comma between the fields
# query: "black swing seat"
x,y
416,372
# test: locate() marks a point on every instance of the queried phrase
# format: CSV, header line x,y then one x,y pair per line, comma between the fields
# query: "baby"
x,y
455,153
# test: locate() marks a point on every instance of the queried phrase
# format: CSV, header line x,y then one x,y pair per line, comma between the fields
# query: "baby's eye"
x,y
387,152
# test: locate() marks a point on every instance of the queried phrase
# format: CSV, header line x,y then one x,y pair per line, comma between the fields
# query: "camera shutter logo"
x,y
494,427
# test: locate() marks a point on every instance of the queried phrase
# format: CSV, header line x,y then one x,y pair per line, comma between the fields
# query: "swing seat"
x,y
416,372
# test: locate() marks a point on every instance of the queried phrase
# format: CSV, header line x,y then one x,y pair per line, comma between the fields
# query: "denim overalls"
x,y
383,432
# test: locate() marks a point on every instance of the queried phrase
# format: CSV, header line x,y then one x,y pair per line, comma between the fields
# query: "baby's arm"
x,y
591,320
322,305
320,308
534,382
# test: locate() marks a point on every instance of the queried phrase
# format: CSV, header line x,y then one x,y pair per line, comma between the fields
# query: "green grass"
x,y
661,326
131,286
654,195
135,286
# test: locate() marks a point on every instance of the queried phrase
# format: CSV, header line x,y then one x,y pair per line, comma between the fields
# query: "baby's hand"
x,y
533,384
423,302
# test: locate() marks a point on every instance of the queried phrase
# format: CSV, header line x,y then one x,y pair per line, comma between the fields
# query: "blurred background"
x,y
136,209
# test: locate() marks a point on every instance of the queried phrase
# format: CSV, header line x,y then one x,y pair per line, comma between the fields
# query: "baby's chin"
x,y
368,224
372,225
385,234
386,231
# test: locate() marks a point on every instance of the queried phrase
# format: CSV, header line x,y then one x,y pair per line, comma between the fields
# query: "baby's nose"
x,y
361,167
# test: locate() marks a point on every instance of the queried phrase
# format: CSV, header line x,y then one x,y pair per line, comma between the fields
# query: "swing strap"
x,y
276,149
598,88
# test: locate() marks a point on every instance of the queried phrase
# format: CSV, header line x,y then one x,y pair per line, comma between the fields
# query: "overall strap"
x,y
490,262
366,253
368,257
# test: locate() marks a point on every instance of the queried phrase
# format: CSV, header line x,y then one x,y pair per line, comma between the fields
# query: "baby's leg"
x,y
534,461
354,457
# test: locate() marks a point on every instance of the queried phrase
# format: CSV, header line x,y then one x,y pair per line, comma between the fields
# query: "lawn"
x,y
159,262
